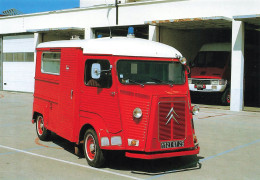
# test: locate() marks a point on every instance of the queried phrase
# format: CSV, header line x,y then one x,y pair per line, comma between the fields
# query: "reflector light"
x,y
104,141
116,140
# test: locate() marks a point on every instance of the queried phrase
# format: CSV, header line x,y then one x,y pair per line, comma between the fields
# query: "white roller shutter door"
x,y
18,65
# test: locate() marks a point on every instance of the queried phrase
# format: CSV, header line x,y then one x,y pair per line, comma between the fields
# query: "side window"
x,y
50,63
103,78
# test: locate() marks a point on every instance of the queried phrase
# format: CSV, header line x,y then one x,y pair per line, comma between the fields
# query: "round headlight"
x,y
183,60
195,110
137,113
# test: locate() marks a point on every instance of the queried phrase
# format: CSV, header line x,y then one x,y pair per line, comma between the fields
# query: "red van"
x,y
211,71
117,93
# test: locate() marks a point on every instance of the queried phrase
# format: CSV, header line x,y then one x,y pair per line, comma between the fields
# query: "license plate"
x,y
172,144
200,87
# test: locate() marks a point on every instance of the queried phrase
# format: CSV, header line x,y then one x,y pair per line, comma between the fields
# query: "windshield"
x,y
211,59
150,72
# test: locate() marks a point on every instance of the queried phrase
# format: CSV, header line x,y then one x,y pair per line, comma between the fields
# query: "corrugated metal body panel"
x,y
99,101
20,43
18,76
102,102
68,81
172,120
46,85
135,128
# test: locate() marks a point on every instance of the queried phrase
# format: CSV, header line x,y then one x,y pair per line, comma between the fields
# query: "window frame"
x,y
148,60
42,59
85,72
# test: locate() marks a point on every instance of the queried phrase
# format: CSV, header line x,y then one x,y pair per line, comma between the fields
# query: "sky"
x,y
34,6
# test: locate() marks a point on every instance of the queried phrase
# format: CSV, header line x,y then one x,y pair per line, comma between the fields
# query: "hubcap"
x,y
228,98
40,125
90,147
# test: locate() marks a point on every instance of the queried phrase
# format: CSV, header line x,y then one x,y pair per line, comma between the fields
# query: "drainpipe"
x,y
116,12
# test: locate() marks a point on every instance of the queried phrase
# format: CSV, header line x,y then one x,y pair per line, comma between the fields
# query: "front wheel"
x,y
94,155
225,99
41,131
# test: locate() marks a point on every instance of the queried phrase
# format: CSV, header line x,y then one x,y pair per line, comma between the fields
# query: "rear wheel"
x,y
94,155
225,99
41,131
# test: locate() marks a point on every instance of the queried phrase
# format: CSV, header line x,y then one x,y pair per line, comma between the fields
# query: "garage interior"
x,y
190,34
252,60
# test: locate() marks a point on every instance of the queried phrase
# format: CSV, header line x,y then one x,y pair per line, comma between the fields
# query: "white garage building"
x,y
184,24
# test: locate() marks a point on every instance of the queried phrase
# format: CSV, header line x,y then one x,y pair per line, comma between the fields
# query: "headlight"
x,y
183,60
137,113
214,82
222,82
195,110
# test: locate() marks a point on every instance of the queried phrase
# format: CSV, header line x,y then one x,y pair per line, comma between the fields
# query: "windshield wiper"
x,y
154,79
136,82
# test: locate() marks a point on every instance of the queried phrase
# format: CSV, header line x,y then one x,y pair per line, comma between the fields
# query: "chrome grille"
x,y
201,81
172,120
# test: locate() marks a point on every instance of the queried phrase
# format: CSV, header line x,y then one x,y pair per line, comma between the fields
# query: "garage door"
x,y
18,63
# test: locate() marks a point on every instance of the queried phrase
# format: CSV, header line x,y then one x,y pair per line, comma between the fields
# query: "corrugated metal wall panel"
x,y
1,63
18,76
20,43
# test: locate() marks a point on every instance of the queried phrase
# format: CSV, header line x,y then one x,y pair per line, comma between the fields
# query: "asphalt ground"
x,y
229,141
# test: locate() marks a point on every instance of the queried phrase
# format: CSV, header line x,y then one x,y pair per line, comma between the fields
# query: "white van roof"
x,y
216,47
118,46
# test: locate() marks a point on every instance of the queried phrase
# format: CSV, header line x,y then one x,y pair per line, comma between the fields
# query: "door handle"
x,y
71,94
113,93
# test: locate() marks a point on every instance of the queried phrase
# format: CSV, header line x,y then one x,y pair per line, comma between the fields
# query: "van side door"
x,y
99,94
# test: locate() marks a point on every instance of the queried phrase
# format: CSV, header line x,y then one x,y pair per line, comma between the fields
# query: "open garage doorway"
x,y
189,36
251,59
252,67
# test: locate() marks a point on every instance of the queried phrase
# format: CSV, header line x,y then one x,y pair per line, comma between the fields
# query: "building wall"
x,y
128,14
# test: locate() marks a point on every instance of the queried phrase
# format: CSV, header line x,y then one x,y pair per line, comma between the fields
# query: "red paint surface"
x,y
110,110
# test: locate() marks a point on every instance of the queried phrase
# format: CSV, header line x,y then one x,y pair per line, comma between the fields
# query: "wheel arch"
x,y
35,115
95,122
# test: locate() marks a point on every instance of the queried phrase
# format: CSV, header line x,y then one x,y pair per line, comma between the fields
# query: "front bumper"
x,y
162,155
207,88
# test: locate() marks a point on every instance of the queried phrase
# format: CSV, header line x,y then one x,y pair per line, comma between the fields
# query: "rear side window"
x,y
50,63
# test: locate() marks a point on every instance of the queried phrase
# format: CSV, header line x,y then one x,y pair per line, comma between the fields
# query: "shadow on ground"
x,y
117,161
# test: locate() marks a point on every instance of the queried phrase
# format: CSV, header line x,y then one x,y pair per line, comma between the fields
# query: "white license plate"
x,y
172,144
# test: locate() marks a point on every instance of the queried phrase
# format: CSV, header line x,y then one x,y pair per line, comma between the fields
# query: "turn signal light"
x,y
133,142
195,140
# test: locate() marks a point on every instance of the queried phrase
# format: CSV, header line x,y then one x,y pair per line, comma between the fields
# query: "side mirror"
x,y
95,71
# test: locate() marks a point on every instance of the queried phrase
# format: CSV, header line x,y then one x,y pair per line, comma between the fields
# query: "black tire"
x,y
225,99
41,131
93,154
